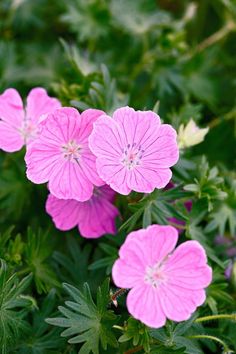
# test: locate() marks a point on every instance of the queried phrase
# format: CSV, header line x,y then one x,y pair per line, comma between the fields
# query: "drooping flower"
x,y
94,217
19,127
61,156
165,283
190,134
134,150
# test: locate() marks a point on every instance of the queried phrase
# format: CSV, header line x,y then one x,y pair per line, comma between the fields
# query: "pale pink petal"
x,y
187,266
88,117
106,138
151,245
143,304
70,182
42,161
10,138
39,103
64,213
114,174
146,179
159,242
11,108
179,304
136,126
134,252
87,163
129,270
161,150
125,275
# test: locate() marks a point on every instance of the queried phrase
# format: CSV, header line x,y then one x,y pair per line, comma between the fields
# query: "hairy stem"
x,y
217,317
213,338
118,293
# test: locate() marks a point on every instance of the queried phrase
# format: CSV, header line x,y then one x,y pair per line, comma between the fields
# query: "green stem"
x,y
228,116
216,37
215,339
182,227
216,317
118,327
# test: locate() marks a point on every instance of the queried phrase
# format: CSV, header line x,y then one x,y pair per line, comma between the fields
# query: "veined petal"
x,y
10,138
143,303
63,212
11,108
39,103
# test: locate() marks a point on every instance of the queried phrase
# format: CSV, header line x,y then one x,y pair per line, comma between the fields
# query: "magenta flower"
x,y
165,283
134,150
94,217
60,155
18,127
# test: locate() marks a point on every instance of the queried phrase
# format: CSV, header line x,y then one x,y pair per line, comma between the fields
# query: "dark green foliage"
x,y
87,322
174,57
14,306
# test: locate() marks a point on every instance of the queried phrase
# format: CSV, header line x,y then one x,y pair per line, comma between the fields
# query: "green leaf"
x,y
87,322
13,307
37,253
136,332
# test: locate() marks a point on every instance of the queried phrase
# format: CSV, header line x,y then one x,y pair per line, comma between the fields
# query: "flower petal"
x,y
70,182
125,275
187,266
114,174
42,161
161,150
97,217
106,139
63,212
10,138
145,179
39,103
178,304
143,303
11,108
136,126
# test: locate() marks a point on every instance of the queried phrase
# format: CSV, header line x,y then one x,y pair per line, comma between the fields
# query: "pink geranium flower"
x,y
134,150
165,283
60,154
18,127
94,217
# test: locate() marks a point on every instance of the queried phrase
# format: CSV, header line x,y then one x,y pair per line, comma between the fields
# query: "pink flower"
x,y
165,283
60,155
18,127
134,150
94,217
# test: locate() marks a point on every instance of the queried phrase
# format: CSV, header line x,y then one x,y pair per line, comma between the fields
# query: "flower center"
x,y
155,275
132,154
71,151
28,131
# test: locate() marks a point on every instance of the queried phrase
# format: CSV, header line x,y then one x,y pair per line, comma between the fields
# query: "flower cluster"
x,y
86,159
